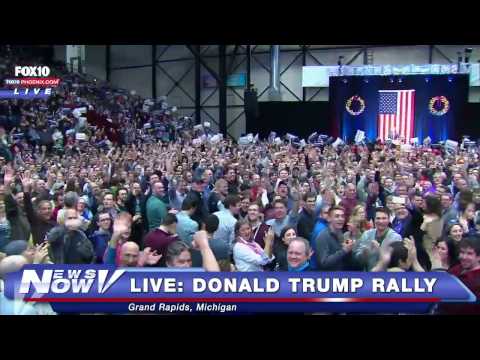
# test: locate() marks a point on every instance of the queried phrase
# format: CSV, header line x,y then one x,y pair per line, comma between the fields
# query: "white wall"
x,y
140,79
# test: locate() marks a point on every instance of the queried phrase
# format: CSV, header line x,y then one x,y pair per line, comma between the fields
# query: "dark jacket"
x,y
138,228
131,204
20,227
305,224
70,247
40,228
213,200
329,253
413,229
233,187
280,252
201,211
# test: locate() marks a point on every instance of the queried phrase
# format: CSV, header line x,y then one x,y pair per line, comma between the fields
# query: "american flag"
x,y
396,114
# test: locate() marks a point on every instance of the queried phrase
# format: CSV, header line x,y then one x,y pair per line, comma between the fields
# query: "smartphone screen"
x,y
398,200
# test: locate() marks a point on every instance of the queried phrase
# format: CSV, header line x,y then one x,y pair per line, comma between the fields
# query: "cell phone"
x,y
398,200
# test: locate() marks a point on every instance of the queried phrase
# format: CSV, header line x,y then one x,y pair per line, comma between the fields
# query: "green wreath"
x,y
355,100
445,105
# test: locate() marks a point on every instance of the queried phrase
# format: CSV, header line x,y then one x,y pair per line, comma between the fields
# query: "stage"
x,y
334,119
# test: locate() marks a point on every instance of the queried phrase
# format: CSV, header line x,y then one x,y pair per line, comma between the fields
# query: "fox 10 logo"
x,y
30,82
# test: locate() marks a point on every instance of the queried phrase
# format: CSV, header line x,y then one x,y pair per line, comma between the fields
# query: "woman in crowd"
x,y
259,228
339,192
445,254
466,219
358,223
280,247
244,204
455,231
247,254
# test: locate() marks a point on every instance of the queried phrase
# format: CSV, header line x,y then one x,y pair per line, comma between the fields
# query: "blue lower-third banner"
x,y
104,289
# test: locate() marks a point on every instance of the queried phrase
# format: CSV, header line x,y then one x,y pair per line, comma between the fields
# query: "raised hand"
x,y
121,226
27,182
348,245
410,245
151,257
200,240
386,255
435,259
9,175
375,245
41,253
269,237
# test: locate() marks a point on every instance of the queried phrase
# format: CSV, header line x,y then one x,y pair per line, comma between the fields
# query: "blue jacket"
x,y
317,229
100,241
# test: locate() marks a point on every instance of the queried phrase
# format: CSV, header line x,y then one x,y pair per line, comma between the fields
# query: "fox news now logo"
x,y
30,82
71,281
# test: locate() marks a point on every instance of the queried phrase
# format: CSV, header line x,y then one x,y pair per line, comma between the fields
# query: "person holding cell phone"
x,y
249,255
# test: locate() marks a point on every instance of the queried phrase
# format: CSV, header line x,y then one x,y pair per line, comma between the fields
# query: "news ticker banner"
x,y
106,289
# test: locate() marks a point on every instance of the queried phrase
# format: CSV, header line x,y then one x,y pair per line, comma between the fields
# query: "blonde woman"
x,y
358,223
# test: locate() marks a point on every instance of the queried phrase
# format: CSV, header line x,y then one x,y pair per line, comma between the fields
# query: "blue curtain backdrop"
x,y
439,128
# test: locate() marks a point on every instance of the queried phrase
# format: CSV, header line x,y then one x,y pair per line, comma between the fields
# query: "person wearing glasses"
x,y
102,235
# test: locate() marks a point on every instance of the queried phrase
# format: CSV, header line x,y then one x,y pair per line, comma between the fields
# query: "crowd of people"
x,y
123,195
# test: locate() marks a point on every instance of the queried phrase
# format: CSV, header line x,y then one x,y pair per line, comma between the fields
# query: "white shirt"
x,y
248,260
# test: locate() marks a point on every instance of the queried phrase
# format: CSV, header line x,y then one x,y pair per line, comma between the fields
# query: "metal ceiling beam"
x,y
162,53
154,71
222,67
291,63
249,71
235,120
204,64
232,61
209,96
176,84
108,70
236,93
356,56
304,63
211,117
131,67
442,54
314,58
198,90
